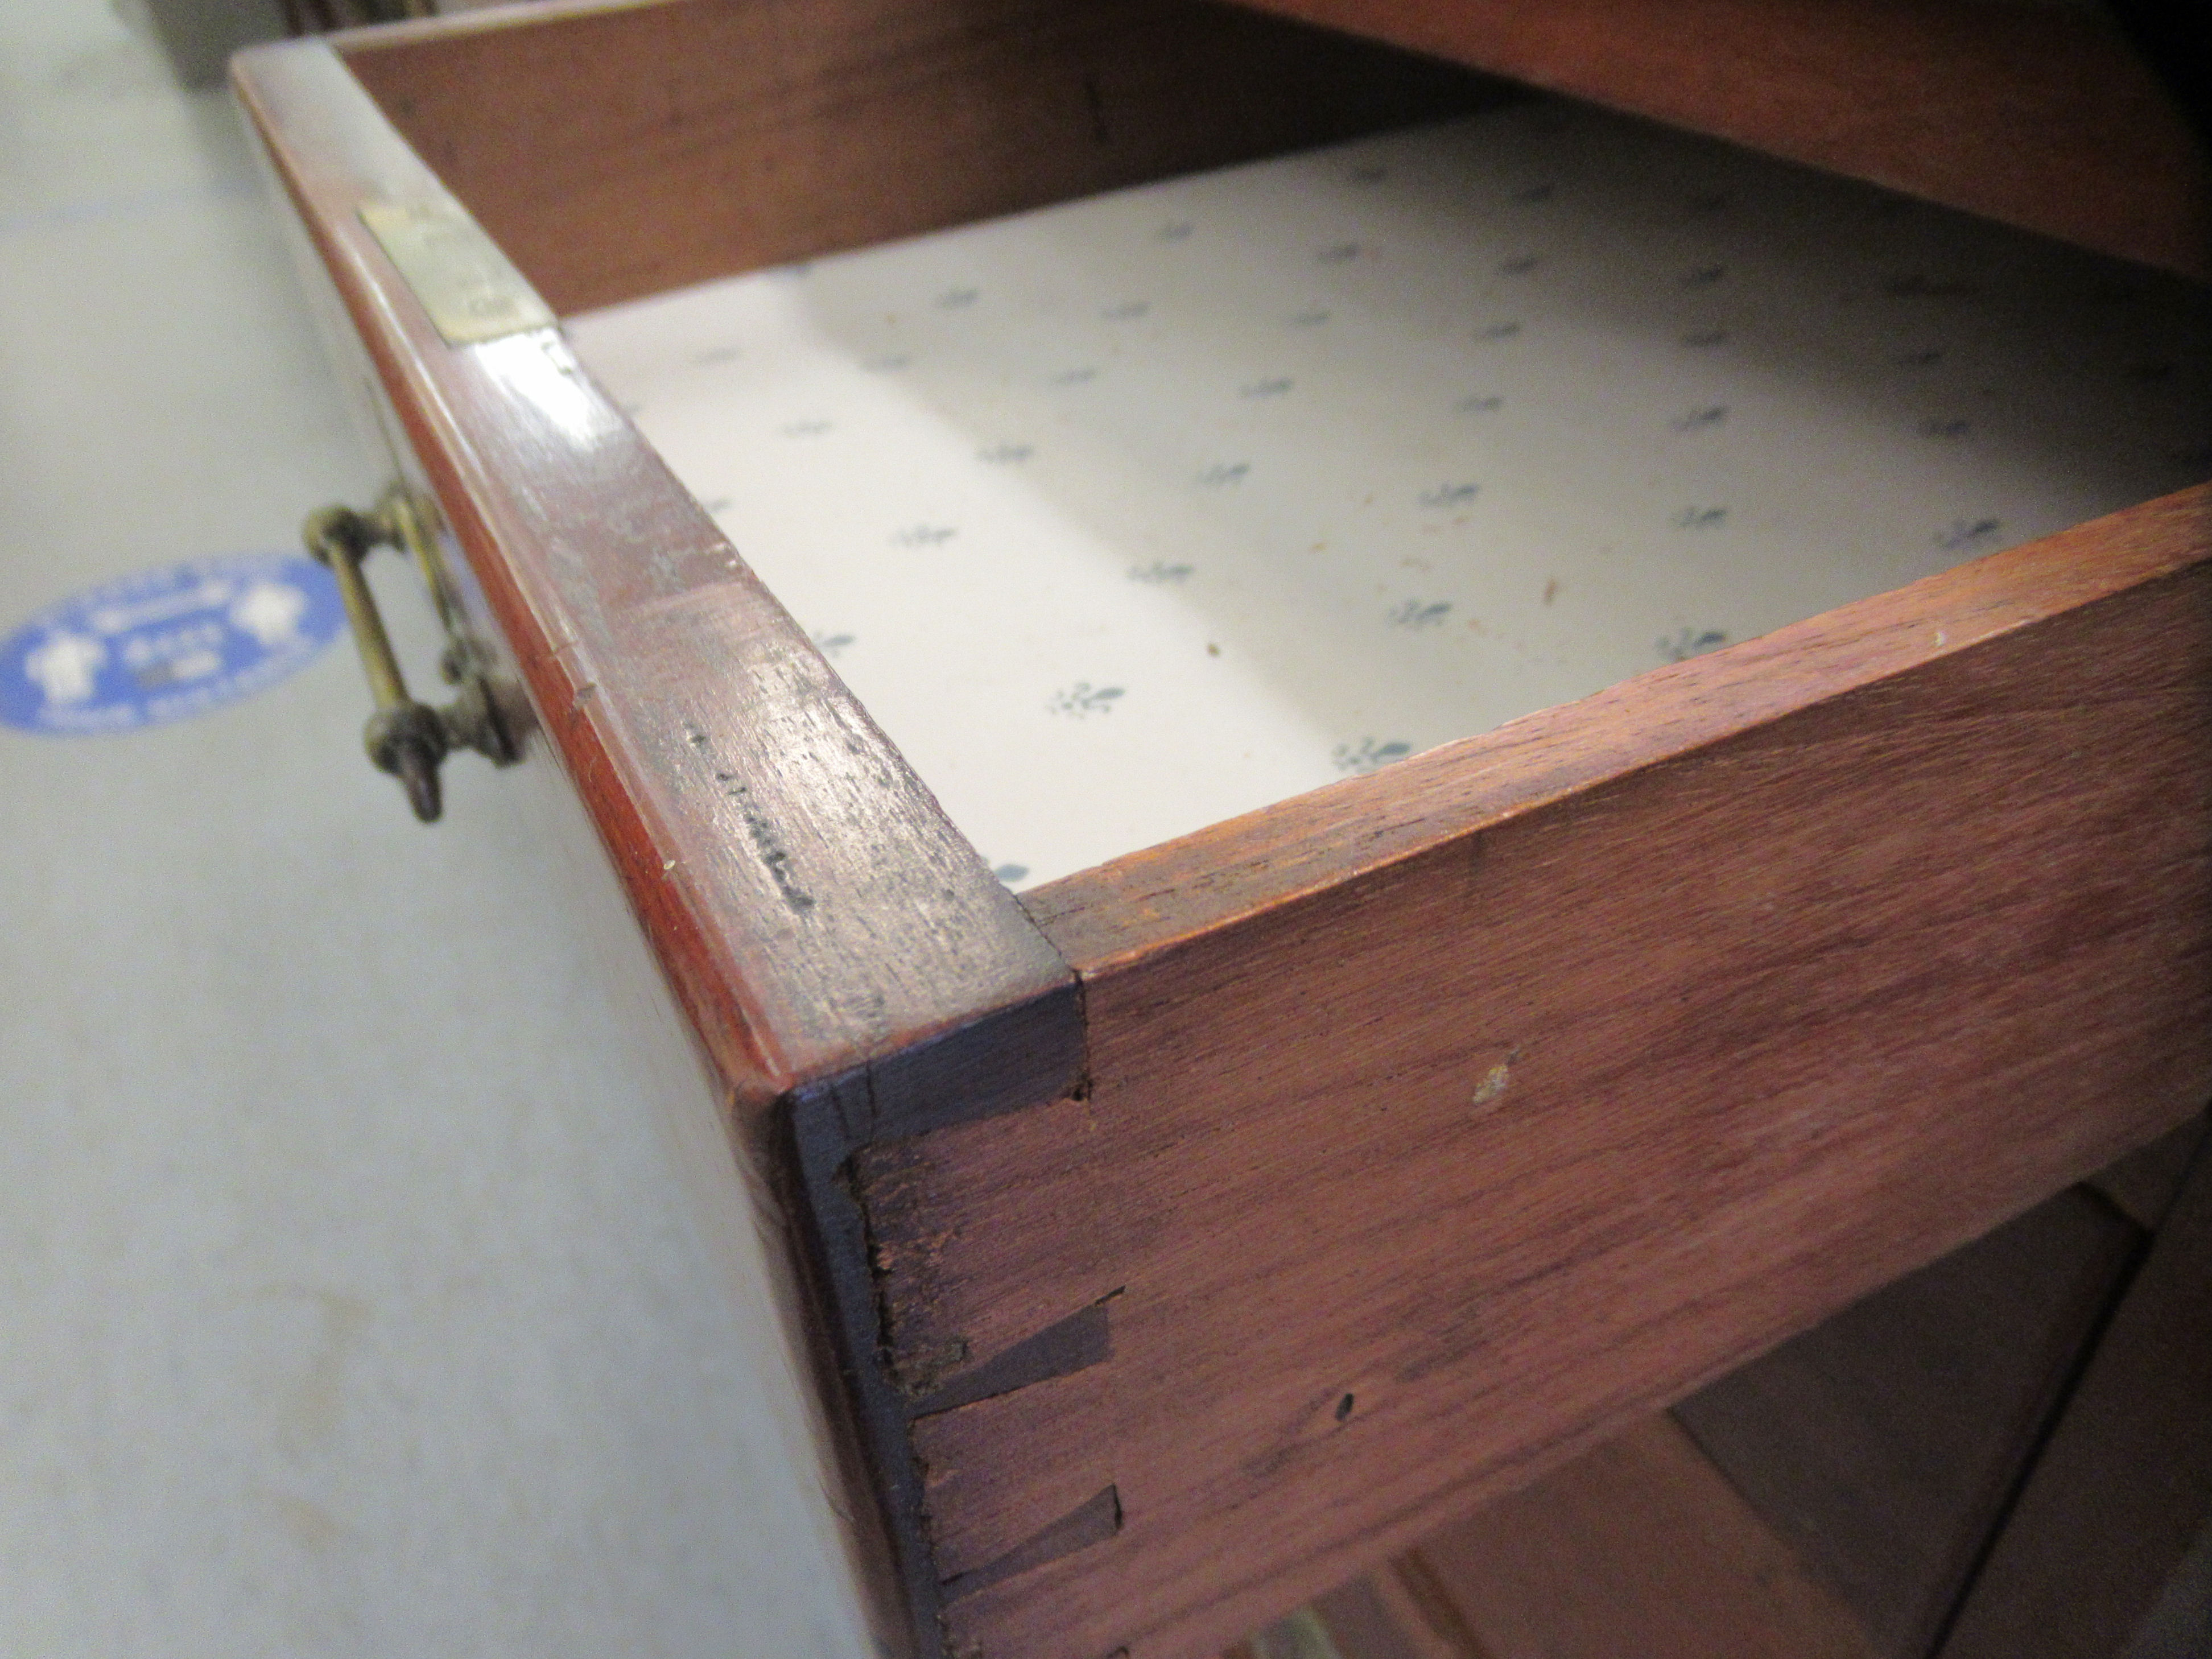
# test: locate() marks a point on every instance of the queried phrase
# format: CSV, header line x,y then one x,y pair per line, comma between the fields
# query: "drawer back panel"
x,y
618,152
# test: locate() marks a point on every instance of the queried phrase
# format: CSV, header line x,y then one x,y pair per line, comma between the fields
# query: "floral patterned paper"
x,y
1132,514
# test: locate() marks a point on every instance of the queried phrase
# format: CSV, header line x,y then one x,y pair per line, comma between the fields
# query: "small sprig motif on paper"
x,y
1964,533
1688,642
1159,573
1444,498
925,535
1082,700
1368,756
1417,613
1699,518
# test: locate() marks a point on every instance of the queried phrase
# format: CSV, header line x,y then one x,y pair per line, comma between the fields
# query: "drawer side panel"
x,y
1404,1188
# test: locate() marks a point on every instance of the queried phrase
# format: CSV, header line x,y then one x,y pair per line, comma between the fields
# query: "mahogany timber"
x,y
828,933
1432,1124
1884,1445
1440,1122
615,152
2041,117
2125,1487
1639,1546
815,908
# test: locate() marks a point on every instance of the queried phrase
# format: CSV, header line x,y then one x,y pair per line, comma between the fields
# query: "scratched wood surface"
x,y
814,908
2043,118
1433,1124
2125,1487
1882,1445
822,924
1440,1121
619,151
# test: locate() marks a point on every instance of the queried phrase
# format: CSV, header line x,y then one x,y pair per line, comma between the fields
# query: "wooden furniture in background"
x,y
2008,1452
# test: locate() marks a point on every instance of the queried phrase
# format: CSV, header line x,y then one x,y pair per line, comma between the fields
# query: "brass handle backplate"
x,y
407,738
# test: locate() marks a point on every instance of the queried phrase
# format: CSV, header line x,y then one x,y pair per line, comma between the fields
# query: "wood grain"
x,y
1430,1126
1883,1445
618,151
1640,1547
841,952
814,908
1804,963
2042,117
2125,1487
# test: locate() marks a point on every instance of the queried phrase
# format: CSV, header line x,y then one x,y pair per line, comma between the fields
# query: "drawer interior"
x,y
1183,499
1185,488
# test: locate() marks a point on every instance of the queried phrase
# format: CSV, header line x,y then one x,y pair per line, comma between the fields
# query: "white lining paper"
x,y
1132,514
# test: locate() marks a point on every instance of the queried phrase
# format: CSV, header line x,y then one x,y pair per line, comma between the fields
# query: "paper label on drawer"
x,y
471,290
168,644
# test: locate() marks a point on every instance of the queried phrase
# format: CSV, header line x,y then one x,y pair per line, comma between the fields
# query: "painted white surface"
x,y
372,1281
1179,500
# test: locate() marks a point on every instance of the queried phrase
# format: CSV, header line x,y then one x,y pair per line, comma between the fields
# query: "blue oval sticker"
x,y
168,644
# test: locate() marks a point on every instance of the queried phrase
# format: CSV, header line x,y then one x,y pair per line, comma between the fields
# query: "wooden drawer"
x,y
1178,1236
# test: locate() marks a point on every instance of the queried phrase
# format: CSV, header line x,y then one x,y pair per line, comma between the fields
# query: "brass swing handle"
x,y
407,738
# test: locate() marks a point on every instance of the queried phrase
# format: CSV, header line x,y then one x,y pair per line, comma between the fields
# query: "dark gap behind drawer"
x,y
1884,1444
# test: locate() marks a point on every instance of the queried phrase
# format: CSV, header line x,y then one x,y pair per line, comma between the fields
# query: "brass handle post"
x,y
408,739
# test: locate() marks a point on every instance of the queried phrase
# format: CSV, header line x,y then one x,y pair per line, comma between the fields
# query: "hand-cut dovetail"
x,y
1091,1523
1073,1343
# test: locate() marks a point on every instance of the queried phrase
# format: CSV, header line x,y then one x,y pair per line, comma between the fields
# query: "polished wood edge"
x,y
481,19
762,826
1119,913
2039,117
1025,1056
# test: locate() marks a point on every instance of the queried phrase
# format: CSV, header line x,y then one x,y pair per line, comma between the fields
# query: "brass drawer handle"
x,y
407,738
